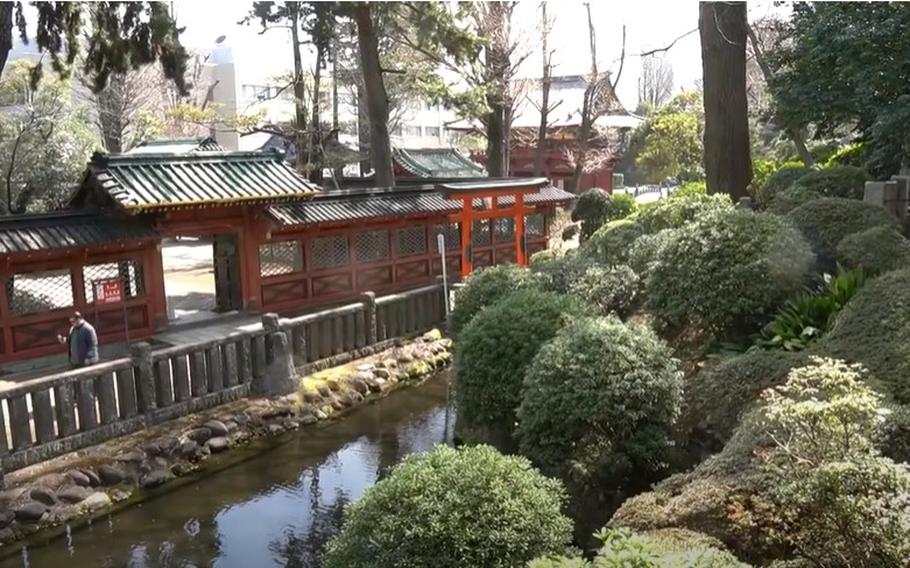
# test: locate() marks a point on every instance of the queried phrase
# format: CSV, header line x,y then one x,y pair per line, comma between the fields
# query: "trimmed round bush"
x,y
453,508
689,189
780,180
593,209
894,441
826,221
717,396
836,181
876,250
789,199
485,287
622,205
645,251
544,256
728,272
559,274
598,403
492,352
674,213
873,329
612,290
610,243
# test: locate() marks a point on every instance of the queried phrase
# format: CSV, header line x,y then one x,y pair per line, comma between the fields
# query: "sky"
x,y
649,24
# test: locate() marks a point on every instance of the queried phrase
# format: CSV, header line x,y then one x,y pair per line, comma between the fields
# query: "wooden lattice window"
x,y
129,272
412,241
452,234
372,246
534,225
504,229
480,235
282,257
36,292
330,252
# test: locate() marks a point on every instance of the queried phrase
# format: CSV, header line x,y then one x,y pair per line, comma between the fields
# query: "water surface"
x,y
276,509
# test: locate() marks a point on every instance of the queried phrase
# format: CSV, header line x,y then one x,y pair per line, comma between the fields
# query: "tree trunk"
x,y
498,67
338,172
6,32
584,134
795,134
544,94
363,130
728,163
377,99
314,147
300,138
496,139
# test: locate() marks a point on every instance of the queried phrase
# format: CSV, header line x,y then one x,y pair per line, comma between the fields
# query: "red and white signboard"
x,y
108,291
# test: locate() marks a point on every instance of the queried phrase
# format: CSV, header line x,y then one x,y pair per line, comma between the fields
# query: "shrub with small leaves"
x,y
823,413
598,403
559,274
454,508
610,244
645,251
689,189
674,213
728,272
593,209
612,290
849,513
836,181
789,199
778,181
876,250
492,352
826,221
621,206
485,287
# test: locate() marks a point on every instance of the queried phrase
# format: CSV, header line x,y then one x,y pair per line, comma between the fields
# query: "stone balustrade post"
x,y
141,354
280,376
369,310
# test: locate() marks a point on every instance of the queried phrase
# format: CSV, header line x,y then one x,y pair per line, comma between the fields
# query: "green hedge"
x,y
485,287
728,272
826,221
560,274
611,290
780,180
453,508
789,199
873,329
598,403
876,250
674,213
492,352
836,181
610,244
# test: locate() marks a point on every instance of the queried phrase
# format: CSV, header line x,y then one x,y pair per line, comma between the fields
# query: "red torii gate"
x,y
491,192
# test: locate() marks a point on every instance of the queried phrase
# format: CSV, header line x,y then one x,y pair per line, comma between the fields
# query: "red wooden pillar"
x,y
154,284
250,277
520,250
467,227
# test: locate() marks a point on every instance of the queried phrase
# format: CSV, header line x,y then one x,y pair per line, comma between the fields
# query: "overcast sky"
x,y
649,24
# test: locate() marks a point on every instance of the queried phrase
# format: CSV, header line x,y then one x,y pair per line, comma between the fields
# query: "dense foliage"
x,y
493,351
610,244
873,329
656,549
835,69
674,213
728,272
560,273
780,180
836,181
789,199
448,508
876,250
611,290
593,209
485,287
598,403
826,221
645,251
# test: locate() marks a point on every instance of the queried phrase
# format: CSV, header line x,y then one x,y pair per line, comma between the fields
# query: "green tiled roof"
x,y
436,162
144,182
177,146
69,229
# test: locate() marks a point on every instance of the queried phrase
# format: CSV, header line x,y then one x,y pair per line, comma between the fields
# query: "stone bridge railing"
x,y
60,413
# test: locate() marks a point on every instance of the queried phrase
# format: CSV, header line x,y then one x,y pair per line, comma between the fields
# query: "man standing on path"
x,y
82,341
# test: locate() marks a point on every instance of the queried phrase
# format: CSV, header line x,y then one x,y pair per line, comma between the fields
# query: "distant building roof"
x,y
376,203
177,146
68,229
436,162
145,182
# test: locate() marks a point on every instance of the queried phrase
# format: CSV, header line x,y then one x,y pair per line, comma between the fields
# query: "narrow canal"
x,y
277,508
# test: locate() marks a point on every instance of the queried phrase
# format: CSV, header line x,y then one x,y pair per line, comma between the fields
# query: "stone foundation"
x,y
94,481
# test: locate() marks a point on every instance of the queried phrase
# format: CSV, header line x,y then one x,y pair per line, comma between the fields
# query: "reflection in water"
x,y
277,509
